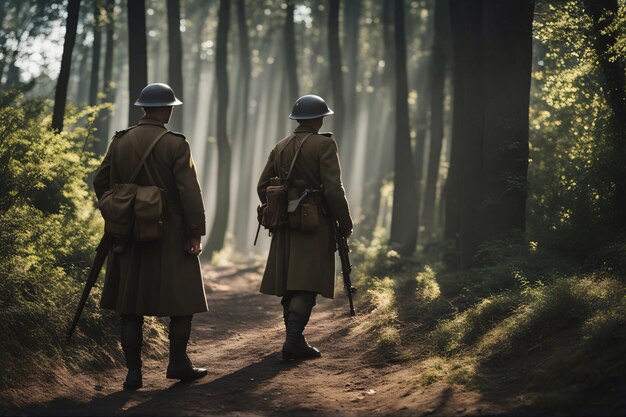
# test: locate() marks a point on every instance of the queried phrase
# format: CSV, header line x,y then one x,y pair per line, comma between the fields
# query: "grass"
x,y
556,334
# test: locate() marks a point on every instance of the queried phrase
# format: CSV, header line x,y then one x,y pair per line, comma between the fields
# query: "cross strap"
x,y
145,156
293,162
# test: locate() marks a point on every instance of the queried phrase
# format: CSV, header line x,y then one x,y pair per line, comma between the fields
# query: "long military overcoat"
x,y
297,260
155,278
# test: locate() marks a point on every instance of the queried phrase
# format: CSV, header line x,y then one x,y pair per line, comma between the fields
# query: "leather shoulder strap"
x,y
145,156
296,157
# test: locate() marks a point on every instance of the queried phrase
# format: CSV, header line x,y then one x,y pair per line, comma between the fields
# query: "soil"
x,y
239,342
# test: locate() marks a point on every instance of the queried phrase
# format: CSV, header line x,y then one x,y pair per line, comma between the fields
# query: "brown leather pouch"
x,y
309,217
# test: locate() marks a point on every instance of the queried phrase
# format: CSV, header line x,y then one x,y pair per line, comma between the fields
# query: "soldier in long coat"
x,y
301,263
163,277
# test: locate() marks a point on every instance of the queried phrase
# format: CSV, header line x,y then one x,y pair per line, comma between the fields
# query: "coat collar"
x,y
145,120
304,129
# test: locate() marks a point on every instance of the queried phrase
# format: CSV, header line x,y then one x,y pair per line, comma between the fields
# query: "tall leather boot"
x,y
180,367
296,346
132,340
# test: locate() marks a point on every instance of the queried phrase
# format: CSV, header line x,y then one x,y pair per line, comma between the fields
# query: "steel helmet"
x,y
157,95
310,107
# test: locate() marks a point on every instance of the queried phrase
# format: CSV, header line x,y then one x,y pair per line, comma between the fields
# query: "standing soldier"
x,y
301,260
163,277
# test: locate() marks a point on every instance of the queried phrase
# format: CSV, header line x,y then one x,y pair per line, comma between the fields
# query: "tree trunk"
x,y
175,65
351,16
245,178
60,95
437,79
218,231
290,54
603,13
95,56
137,56
507,38
107,81
334,61
466,20
405,214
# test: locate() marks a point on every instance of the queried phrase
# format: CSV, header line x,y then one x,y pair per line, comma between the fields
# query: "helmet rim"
x,y
322,110
152,96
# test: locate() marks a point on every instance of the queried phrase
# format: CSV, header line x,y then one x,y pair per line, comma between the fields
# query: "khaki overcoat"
x,y
297,260
155,278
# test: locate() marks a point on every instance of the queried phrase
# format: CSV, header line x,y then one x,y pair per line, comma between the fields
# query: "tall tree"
x,y
466,20
334,61
290,54
175,64
245,149
107,76
60,95
137,55
220,222
351,16
94,82
507,36
405,212
437,79
603,14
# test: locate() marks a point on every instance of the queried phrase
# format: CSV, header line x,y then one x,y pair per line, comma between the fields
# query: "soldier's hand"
x,y
194,247
345,233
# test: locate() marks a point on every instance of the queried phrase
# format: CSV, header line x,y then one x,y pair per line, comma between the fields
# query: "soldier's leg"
x,y
285,303
180,367
132,340
298,314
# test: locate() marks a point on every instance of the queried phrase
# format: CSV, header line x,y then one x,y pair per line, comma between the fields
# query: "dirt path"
x,y
239,342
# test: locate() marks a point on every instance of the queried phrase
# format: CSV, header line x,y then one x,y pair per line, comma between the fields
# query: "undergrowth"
x,y
49,229
523,315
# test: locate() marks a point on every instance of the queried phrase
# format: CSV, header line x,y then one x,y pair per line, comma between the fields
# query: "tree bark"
x,y
137,56
218,231
291,66
175,64
336,75
94,82
507,38
60,95
107,78
405,214
467,24
437,78
245,181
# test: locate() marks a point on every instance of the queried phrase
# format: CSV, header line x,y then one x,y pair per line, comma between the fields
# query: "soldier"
x,y
161,278
301,260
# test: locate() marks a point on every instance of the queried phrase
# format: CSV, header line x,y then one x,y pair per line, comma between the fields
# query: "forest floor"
x,y
239,342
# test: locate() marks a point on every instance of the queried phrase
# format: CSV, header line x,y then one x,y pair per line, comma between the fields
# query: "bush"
x,y
49,229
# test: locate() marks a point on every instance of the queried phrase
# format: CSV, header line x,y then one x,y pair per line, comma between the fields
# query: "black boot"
x,y
132,340
296,346
180,367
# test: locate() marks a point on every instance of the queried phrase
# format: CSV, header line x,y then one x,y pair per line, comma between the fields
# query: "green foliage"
x,y
48,230
570,206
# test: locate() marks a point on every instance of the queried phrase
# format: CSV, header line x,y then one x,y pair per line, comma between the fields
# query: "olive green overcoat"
x,y
155,278
297,260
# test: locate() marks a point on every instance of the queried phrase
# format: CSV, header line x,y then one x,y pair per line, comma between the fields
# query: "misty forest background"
x,y
482,145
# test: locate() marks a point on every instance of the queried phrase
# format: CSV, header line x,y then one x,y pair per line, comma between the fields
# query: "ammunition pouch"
x,y
304,210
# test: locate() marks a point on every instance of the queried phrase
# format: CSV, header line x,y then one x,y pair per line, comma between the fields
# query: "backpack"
x,y
134,212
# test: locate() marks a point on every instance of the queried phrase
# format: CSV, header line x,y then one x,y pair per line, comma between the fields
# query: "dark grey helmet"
x,y
157,95
310,107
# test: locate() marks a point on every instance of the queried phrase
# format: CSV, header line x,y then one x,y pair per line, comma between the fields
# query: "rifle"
x,y
101,253
346,268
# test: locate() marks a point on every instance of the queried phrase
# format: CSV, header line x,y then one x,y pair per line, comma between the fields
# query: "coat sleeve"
x,y
189,190
102,179
334,193
264,180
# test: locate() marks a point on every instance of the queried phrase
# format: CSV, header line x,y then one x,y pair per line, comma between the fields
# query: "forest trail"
x,y
239,342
